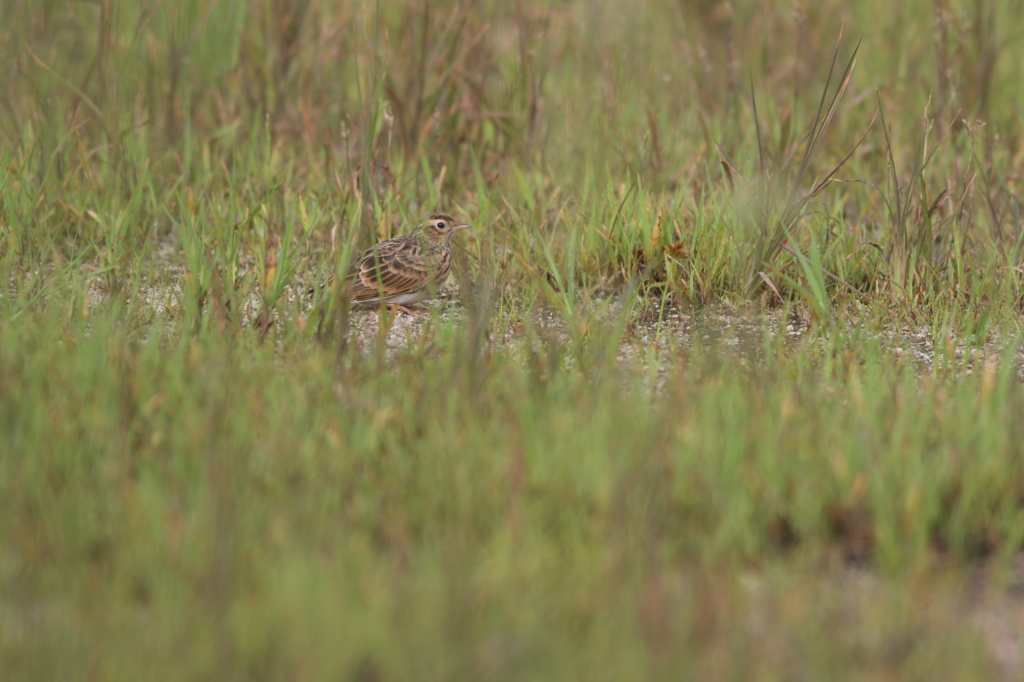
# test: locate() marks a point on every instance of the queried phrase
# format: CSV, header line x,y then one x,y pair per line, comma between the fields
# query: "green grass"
x,y
576,471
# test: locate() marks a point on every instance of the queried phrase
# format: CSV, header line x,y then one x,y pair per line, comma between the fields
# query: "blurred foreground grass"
x,y
206,475
212,506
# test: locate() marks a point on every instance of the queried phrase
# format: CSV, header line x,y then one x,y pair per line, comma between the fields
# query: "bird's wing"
x,y
391,267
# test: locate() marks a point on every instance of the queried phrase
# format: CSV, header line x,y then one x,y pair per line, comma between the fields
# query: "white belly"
x,y
406,298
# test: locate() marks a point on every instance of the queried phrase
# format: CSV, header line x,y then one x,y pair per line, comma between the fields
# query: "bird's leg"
x,y
408,311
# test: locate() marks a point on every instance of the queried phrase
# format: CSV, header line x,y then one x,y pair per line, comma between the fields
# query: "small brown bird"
x,y
405,270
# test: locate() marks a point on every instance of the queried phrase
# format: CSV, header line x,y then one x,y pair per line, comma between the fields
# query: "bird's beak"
x,y
463,227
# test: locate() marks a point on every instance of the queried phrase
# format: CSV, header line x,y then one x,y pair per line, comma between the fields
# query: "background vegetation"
x,y
575,473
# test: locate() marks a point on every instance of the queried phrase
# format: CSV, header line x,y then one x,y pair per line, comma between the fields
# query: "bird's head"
x,y
440,226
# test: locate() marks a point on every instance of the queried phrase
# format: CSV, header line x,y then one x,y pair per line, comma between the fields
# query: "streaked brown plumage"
x,y
405,270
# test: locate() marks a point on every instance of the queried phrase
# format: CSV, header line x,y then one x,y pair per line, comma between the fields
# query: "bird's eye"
x,y
440,226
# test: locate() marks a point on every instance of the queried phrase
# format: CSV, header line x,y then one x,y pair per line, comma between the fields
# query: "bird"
x,y
405,270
